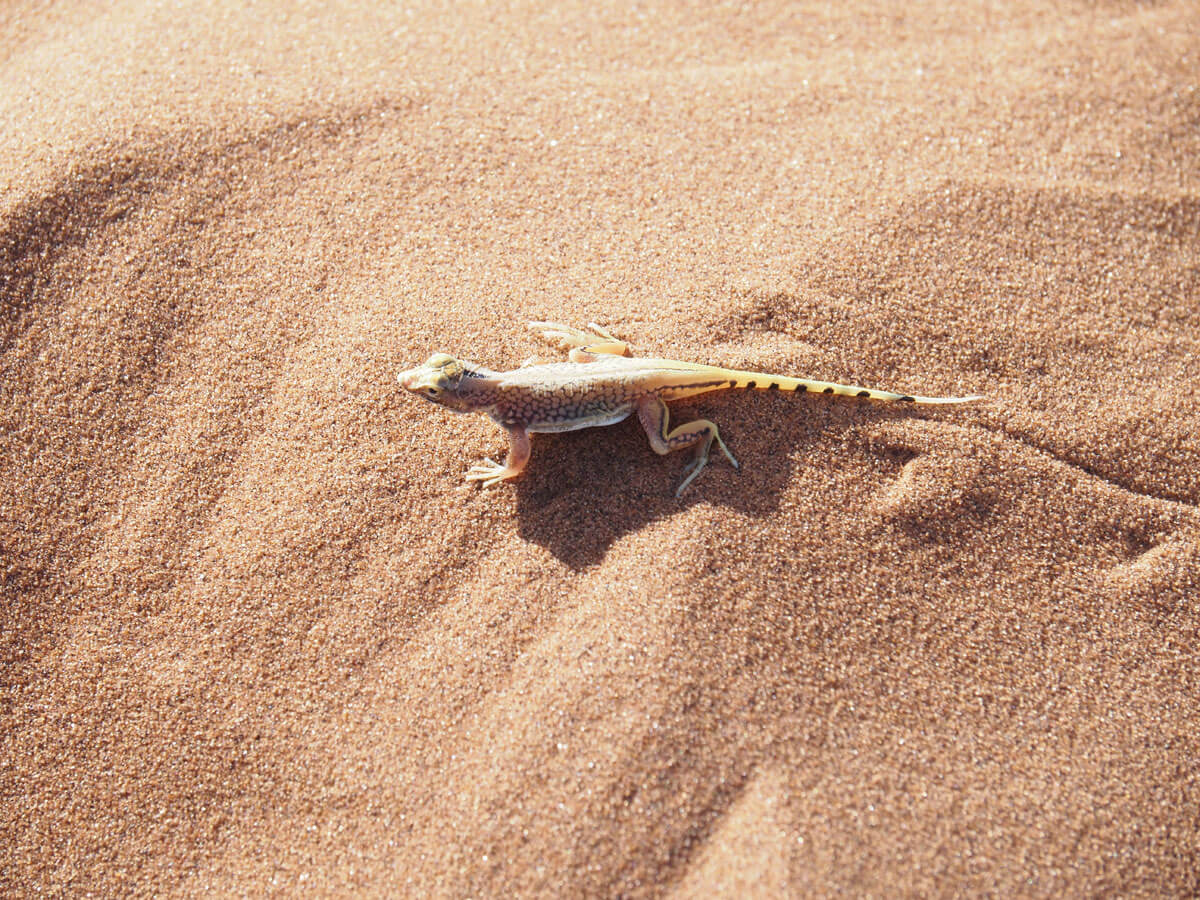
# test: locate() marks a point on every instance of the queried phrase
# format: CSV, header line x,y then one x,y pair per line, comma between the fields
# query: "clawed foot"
x,y
565,337
583,345
729,456
692,469
491,472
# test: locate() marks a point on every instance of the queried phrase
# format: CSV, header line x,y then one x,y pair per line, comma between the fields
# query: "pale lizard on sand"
x,y
602,384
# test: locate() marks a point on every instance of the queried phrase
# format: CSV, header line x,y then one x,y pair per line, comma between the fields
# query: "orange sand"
x,y
258,634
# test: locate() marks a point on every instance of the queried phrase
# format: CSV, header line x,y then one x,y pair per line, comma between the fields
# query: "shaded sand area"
x,y
259,635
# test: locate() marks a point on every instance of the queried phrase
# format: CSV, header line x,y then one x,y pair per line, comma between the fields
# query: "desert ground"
x,y
260,637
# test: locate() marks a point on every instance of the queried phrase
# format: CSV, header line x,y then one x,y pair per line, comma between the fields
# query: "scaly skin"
x,y
602,384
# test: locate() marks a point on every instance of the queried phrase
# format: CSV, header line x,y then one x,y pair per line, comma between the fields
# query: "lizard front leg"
x,y
583,346
655,418
491,472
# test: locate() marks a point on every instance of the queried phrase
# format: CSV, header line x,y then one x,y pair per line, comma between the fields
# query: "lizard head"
x,y
439,380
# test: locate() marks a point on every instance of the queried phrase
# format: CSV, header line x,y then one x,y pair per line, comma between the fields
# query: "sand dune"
x,y
260,636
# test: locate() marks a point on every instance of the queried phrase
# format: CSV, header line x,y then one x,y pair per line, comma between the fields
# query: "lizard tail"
x,y
763,382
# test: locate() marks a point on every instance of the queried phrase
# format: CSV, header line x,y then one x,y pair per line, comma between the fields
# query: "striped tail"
x,y
764,382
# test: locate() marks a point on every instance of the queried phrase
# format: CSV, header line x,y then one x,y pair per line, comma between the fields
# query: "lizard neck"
x,y
477,390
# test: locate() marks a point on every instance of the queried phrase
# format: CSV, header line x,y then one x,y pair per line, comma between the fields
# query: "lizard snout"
x,y
420,380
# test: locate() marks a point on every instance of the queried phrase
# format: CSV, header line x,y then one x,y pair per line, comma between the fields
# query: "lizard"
x,y
602,384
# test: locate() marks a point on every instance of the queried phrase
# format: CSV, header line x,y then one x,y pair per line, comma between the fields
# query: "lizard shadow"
x,y
586,489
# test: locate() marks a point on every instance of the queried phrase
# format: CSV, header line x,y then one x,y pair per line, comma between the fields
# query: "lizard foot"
x,y
692,469
491,472
584,345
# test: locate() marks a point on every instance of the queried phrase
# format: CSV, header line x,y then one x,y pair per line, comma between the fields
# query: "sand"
x,y
259,636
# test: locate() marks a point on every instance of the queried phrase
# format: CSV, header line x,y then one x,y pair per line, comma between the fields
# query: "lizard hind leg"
x,y
583,346
655,419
